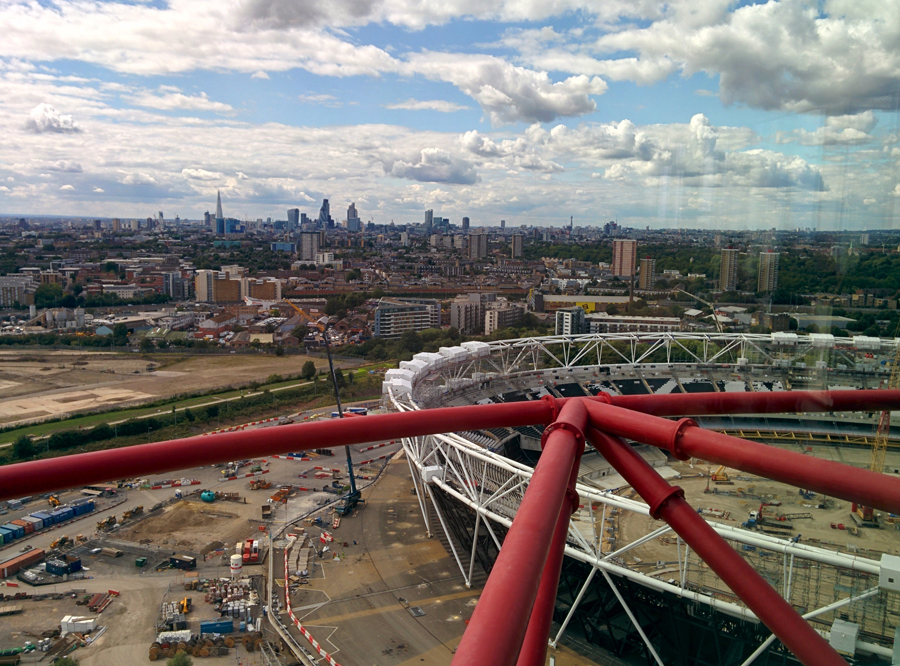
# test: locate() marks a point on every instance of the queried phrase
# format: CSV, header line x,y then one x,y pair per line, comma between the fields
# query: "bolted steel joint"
x,y
674,445
658,501
554,407
562,425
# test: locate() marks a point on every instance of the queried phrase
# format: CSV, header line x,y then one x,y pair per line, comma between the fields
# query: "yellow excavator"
x,y
53,501
131,513
106,523
62,542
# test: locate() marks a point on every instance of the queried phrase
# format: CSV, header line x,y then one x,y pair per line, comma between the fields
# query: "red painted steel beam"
x,y
668,503
701,404
534,647
684,439
498,625
41,476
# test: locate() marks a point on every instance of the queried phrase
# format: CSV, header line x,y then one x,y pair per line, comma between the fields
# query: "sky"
x,y
690,113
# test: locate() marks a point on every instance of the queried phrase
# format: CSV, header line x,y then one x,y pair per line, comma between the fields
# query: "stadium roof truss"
x,y
511,622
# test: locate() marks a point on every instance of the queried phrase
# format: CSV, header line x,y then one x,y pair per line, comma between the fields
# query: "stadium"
x,y
783,521
629,585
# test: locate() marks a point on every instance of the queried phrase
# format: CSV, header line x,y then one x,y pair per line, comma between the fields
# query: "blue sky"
x,y
697,113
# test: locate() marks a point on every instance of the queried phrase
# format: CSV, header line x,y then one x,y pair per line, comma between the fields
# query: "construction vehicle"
x,y
62,542
720,477
53,501
131,513
776,520
107,523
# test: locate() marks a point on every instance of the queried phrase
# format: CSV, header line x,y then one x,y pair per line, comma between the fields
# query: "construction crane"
x,y
711,305
879,447
352,498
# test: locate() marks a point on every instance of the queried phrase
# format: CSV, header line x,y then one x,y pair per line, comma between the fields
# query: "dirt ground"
x,y
194,526
64,382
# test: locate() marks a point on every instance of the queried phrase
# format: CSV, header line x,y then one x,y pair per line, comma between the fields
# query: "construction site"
x,y
289,558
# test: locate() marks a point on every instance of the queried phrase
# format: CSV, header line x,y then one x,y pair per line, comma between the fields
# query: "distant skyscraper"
x,y
325,219
516,246
116,225
429,221
768,271
648,273
207,219
465,224
478,246
220,216
353,221
728,270
624,257
293,218
503,224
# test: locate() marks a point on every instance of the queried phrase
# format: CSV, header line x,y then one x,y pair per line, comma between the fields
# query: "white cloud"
x,y
136,178
200,174
261,74
64,166
46,119
66,188
321,99
171,100
98,190
508,93
432,165
427,105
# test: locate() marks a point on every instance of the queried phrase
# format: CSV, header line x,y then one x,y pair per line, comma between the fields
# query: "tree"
x,y
146,344
23,447
66,661
48,295
308,371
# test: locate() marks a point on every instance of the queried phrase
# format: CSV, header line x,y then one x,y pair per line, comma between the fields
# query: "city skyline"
x,y
659,115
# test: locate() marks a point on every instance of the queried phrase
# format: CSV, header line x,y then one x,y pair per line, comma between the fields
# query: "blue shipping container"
x,y
18,530
43,515
57,568
75,566
6,536
68,513
223,626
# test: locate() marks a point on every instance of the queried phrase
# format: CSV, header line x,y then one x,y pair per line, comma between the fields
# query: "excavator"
x,y
53,501
62,542
131,513
106,523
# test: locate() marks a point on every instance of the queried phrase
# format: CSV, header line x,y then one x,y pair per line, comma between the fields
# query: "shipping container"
x,y
111,552
6,535
17,530
36,523
222,626
44,516
24,524
11,567
57,567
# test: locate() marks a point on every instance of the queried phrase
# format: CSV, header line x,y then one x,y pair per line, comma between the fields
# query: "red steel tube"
x,y
534,647
700,404
668,503
41,476
685,439
498,625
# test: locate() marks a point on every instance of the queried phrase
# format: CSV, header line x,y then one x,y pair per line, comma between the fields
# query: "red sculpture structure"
x,y
511,623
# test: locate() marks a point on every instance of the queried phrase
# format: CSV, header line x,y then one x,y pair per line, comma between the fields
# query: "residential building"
x,y
478,246
624,257
396,316
17,288
283,246
309,246
502,317
203,285
600,322
518,241
728,270
467,312
775,321
768,271
570,321
265,289
465,224
404,238
648,273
